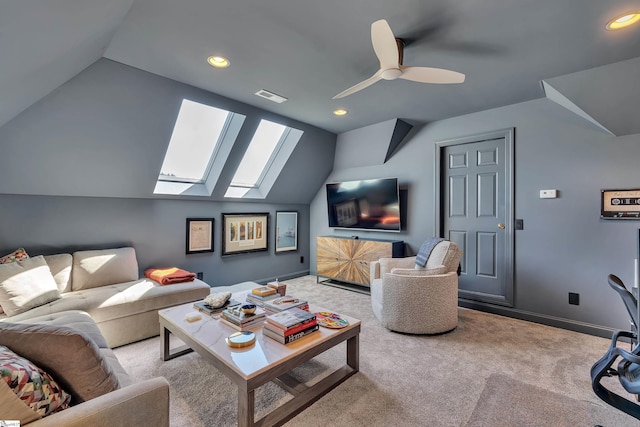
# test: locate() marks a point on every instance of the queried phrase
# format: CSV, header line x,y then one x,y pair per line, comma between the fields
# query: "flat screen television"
x,y
369,204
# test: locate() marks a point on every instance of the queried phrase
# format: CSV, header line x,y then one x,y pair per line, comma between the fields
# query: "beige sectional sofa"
x,y
106,284
70,348
83,304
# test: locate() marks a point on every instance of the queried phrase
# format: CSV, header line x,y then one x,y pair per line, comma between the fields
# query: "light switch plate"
x,y
548,194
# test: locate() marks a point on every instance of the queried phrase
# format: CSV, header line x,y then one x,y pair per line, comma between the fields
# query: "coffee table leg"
x,y
165,346
246,406
353,352
164,343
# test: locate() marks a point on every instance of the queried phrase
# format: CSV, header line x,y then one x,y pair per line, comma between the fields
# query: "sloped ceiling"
x,y
45,43
309,51
607,96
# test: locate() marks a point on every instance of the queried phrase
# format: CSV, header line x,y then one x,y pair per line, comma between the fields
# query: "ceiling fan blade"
x,y
353,89
431,75
384,44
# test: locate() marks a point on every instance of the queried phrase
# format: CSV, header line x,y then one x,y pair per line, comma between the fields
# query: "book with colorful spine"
x,y
291,330
289,338
290,318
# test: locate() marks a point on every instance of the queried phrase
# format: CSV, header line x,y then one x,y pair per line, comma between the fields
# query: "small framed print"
x,y
244,233
199,235
286,231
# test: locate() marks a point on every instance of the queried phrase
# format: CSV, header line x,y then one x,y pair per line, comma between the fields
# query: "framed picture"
x,y
199,235
620,204
244,233
286,231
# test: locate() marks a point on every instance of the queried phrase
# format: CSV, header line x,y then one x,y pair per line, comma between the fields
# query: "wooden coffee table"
x,y
267,360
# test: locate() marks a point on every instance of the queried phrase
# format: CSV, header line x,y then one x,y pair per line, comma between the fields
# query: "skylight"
x,y
202,137
266,155
196,135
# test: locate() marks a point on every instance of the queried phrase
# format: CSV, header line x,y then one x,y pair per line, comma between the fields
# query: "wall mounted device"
x,y
548,194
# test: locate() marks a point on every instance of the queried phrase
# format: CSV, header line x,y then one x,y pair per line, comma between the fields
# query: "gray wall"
x,y
565,246
78,169
105,132
155,228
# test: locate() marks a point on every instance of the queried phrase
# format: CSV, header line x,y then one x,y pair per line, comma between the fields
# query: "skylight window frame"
x,y
273,167
207,170
269,163
180,186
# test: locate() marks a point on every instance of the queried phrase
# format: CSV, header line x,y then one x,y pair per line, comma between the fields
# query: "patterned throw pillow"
x,y
31,384
17,255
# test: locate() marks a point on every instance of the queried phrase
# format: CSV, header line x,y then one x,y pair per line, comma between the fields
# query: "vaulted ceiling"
x,y
308,51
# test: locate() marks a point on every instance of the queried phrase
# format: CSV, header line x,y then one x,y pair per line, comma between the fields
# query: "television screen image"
x,y
371,204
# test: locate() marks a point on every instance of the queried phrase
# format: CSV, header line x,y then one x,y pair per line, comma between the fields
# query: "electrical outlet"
x,y
200,275
574,298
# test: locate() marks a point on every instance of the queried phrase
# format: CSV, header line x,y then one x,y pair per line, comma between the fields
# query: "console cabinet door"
x,y
356,255
348,259
328,257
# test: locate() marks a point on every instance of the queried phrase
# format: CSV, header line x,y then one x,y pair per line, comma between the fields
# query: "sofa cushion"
x,y
70,355
31,384
60,266
122,300
18,255
26,284
92,269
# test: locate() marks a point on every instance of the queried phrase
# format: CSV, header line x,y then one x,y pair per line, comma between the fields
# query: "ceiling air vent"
x,y
271,96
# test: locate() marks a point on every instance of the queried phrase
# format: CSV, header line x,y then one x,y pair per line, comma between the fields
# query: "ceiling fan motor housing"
x,y
391,74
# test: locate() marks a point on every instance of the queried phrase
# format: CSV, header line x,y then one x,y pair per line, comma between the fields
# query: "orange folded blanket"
x,y
169,276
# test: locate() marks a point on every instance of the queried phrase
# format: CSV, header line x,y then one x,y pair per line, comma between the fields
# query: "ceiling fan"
x,y
389,51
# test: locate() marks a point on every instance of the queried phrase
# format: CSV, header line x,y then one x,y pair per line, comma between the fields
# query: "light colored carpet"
x,y
506,402
489,371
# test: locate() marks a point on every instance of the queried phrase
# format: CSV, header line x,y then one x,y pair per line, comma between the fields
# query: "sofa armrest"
x,y
140,404
387,264
441,269
374,270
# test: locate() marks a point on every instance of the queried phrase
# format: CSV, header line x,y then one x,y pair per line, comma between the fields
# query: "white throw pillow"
x,y
26,284
92,269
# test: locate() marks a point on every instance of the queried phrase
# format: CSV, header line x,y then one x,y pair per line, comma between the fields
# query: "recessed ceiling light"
x,y
218,61
340,112
623,21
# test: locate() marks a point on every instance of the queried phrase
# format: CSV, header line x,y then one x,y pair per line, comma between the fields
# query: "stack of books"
x,y
258,296
286,302
205,308
290,325
242,321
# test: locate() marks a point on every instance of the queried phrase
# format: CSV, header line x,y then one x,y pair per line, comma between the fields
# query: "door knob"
x,y
501,226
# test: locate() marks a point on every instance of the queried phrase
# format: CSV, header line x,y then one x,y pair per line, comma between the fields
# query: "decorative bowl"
x,y
248,308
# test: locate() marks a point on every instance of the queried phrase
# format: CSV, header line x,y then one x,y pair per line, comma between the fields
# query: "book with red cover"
x,y
288,318
289,331
289,338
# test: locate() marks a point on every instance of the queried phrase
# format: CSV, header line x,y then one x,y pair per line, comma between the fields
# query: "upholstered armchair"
x,y
415,300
